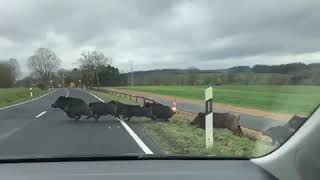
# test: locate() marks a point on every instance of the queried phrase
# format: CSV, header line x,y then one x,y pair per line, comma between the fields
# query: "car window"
x,y
167,79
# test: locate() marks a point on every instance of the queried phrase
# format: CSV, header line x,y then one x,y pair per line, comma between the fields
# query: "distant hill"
x,y
292,73
282,69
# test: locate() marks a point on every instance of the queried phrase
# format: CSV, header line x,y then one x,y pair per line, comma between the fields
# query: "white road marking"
x,y
67,93
93,95
26,101
39,115
142,145
12,131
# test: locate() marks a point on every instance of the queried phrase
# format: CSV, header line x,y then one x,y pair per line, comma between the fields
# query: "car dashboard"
x,y
137,170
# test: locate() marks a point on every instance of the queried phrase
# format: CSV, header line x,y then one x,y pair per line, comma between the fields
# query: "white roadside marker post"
x,y
209,117
51,87
79,83
31,94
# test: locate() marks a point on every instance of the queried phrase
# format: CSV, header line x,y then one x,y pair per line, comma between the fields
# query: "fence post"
x,y
130,97
144,101
136,99
209,117
31,94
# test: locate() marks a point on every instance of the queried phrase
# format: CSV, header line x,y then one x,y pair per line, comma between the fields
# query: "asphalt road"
x,y
34,129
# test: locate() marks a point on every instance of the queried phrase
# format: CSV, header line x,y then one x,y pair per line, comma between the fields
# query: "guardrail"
x,y
122,94
134,98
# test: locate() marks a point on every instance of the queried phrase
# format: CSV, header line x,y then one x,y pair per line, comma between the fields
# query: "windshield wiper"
x,y
126,157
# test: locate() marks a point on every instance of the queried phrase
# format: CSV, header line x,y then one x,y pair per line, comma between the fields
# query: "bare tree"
x,y
15,65
91,62
44,63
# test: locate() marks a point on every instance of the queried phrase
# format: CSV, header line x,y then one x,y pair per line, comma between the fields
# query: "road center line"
x,y
141,144
12,131
39,115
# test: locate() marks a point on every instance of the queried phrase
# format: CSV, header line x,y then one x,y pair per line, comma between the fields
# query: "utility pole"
x,y
97,77
63,80
131,72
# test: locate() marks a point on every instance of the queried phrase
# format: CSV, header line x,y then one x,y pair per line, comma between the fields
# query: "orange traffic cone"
x,y
174,106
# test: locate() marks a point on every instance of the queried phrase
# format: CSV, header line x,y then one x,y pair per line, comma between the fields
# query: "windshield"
x,y
231,79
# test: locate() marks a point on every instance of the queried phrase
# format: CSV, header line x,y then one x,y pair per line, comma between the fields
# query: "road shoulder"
x,y
26,101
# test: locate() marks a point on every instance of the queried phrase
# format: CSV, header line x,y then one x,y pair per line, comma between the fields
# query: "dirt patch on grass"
x,y
256,135
219,106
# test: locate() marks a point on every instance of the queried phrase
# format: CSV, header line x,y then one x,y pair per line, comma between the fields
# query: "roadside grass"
x,y
178,137
9,96
285,99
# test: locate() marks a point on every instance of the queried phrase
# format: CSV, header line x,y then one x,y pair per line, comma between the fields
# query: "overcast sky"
x,y
164,33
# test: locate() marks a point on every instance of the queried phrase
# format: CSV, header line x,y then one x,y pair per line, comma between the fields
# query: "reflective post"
x,y
209,117
79,83
50,88
31,94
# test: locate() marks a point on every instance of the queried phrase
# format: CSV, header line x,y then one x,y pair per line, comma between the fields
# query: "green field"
x,y
286,99
15,95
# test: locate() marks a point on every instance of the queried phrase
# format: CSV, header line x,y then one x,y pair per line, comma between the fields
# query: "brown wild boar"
x,y
221,120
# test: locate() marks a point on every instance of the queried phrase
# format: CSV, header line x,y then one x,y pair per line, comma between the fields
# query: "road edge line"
x,y
136,138
24,102
41,114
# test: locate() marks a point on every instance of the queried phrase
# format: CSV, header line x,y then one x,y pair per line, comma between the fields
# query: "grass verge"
x,y
9,96
178,137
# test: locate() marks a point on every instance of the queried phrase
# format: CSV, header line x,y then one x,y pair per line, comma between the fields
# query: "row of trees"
x,y
281,69
9,72
196,78
94,69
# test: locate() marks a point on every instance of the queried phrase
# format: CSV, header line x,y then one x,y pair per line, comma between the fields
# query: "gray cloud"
x,y
164,34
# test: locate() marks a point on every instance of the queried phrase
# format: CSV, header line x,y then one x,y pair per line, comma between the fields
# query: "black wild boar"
x,y
220,120
279,134
159,111
102,109
129,111
295,122
73,107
